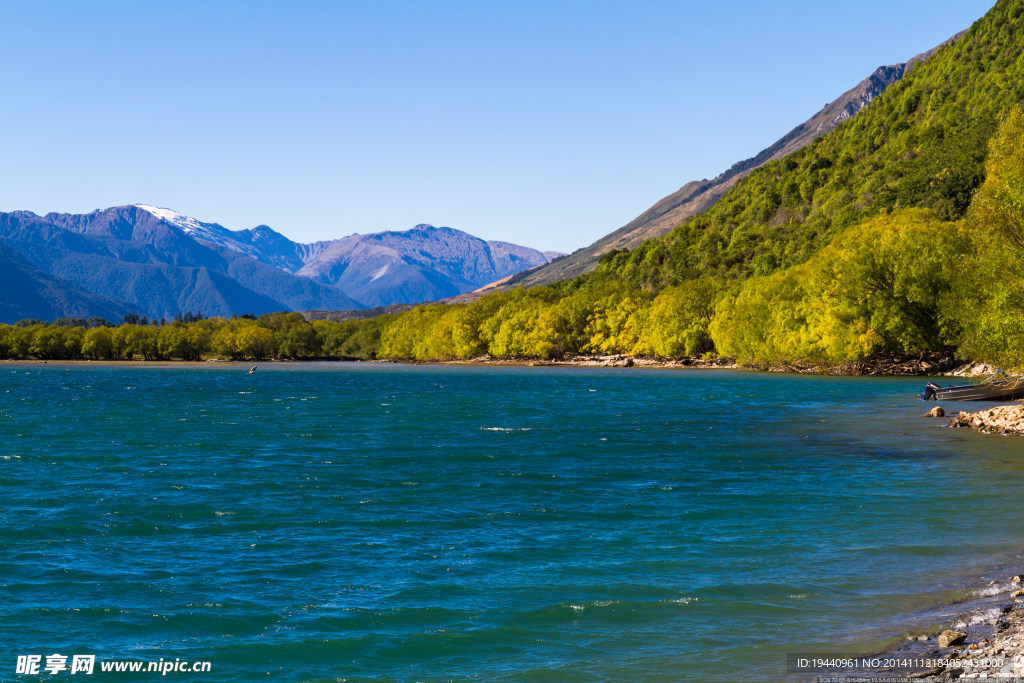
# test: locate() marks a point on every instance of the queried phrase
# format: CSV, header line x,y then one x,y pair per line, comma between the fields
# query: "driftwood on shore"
x,y
929,363
614,360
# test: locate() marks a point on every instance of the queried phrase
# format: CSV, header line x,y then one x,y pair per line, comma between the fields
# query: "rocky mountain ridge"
x,y
142,258
698,196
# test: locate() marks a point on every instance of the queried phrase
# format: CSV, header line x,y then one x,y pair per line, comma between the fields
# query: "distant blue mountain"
x,y
422,264
28,292
160,262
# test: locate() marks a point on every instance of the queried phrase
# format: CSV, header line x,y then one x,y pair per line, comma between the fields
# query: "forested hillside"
x,y
900,231
861,243
699,195
922,143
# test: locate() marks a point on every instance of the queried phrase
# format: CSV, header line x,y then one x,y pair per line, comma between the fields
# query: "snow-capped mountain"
x,y
161,261
260,243
379,269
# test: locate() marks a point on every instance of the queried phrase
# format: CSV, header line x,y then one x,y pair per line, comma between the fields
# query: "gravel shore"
x,y
991,648
985,643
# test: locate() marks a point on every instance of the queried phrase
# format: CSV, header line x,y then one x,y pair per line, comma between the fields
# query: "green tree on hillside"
x,y
998,206
989,300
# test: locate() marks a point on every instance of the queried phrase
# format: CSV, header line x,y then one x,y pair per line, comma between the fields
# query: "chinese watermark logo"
x,y
86,664
30,664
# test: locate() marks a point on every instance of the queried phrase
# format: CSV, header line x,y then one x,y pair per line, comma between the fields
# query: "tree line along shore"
x,y
906,281
901,282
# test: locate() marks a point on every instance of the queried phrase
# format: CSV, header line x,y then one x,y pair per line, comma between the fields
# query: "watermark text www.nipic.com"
x,y
87,664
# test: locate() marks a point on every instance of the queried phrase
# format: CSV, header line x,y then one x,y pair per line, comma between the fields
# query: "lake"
x,y
389,522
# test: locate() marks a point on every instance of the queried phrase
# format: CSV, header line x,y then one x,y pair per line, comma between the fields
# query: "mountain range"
x,y
152,261
699,195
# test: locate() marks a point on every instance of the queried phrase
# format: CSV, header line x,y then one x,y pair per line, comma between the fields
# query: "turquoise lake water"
x,y
380,522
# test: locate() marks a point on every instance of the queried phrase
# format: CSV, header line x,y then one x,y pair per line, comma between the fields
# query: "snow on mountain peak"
x,y
187,224
243,242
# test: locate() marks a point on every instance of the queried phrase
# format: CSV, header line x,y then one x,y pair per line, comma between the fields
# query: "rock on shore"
x,y
1000,656
1005,420
992,650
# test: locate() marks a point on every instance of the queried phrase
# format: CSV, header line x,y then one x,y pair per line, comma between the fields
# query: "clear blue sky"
x,y
549,124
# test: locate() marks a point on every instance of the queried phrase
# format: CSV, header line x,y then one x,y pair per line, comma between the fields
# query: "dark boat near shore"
x,y
988,390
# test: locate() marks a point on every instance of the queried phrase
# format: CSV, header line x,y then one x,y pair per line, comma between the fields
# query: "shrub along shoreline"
x,y
913,365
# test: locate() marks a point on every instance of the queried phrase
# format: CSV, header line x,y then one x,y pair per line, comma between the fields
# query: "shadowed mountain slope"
x,y
128,254
46,297
162,262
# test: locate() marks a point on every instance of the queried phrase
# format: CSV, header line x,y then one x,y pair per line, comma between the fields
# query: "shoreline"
x,y
913,365
139,363
985,641
931,364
